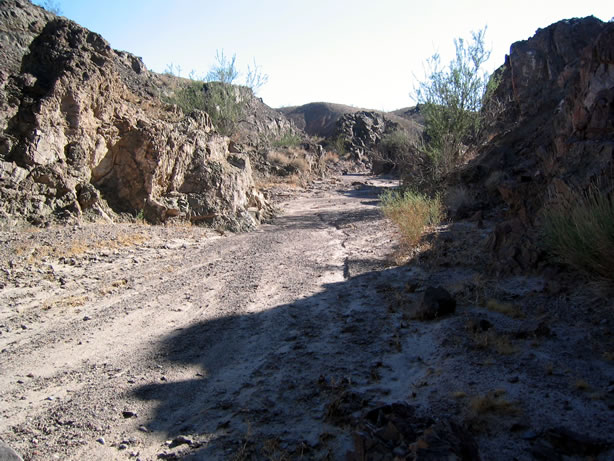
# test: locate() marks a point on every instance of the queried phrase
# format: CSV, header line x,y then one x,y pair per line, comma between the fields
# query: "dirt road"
x,y
227,341
141,342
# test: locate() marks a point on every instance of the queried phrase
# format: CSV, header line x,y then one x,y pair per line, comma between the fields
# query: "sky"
x,y
363,53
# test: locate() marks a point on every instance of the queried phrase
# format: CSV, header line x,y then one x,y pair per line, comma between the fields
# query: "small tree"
x,y
255,78
450,99
224,70
51,5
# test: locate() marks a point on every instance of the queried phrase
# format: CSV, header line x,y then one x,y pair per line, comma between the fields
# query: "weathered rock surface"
x,y
395,432
317,118
80,127
435,302
363,132
555,130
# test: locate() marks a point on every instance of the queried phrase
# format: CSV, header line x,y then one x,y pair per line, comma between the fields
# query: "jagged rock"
x,y
555,131
435,302
395,432
362,132
82,126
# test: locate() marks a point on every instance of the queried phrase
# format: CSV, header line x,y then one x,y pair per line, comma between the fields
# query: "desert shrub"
x,y
450,100
220,100
50,5
412,212
330,157
579,231
224,70
296,163
338,145
456,198
287,139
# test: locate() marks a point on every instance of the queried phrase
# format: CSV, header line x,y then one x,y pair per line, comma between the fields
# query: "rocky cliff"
x,y
82,129
554,132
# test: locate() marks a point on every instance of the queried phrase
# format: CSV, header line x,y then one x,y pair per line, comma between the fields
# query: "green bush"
x,y
579,231
338,145
395,147
288,139
450,100
412,212
220,100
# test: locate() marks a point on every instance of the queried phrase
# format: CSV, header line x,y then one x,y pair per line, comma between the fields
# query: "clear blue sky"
x,y
357,52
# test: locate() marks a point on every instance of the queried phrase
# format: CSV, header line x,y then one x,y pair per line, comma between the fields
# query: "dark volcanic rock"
x,y
395,432
555,131
435,302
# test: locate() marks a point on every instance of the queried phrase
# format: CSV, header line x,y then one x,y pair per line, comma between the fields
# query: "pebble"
x,y
100,440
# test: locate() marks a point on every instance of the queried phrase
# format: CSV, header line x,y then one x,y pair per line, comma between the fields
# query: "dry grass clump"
x,y
491,340
290,158
456,198
330,157
65,301
412,212
35,252
504,308
484,411
578,230
492,403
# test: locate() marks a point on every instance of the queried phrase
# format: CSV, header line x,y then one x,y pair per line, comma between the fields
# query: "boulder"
x,y
434,302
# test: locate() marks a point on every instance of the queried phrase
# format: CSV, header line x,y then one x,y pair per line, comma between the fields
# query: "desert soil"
x,y
130,341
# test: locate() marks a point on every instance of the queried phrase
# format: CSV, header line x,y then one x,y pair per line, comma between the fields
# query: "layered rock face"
x,y
555,130
81,128
362,132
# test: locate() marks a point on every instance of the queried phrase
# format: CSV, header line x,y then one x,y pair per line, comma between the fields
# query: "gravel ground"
x,y
140,342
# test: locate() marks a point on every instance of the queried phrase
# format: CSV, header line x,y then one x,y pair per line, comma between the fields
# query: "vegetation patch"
x,y
287,139
578,231
412,212
504,308
222,101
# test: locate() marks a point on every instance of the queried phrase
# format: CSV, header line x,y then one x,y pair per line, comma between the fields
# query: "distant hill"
x,y
320,118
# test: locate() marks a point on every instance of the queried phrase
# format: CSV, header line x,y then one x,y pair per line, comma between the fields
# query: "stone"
x,y
434,302
395,431
8,454
181,440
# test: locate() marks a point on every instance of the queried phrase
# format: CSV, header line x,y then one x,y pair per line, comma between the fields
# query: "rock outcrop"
x,y
555,130
81,129
362,132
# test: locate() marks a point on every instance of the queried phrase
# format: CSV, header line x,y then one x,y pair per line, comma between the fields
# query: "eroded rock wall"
x,y
555,132
82,129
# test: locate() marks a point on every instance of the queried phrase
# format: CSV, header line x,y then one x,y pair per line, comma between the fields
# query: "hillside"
x,y
320,118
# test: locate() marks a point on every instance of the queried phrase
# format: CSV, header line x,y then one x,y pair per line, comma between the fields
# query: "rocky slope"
x,y
82,129
554,131
357,132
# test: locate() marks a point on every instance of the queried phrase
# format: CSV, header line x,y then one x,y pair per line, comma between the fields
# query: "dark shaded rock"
x,y
570,443
395,432
435,302
554,133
